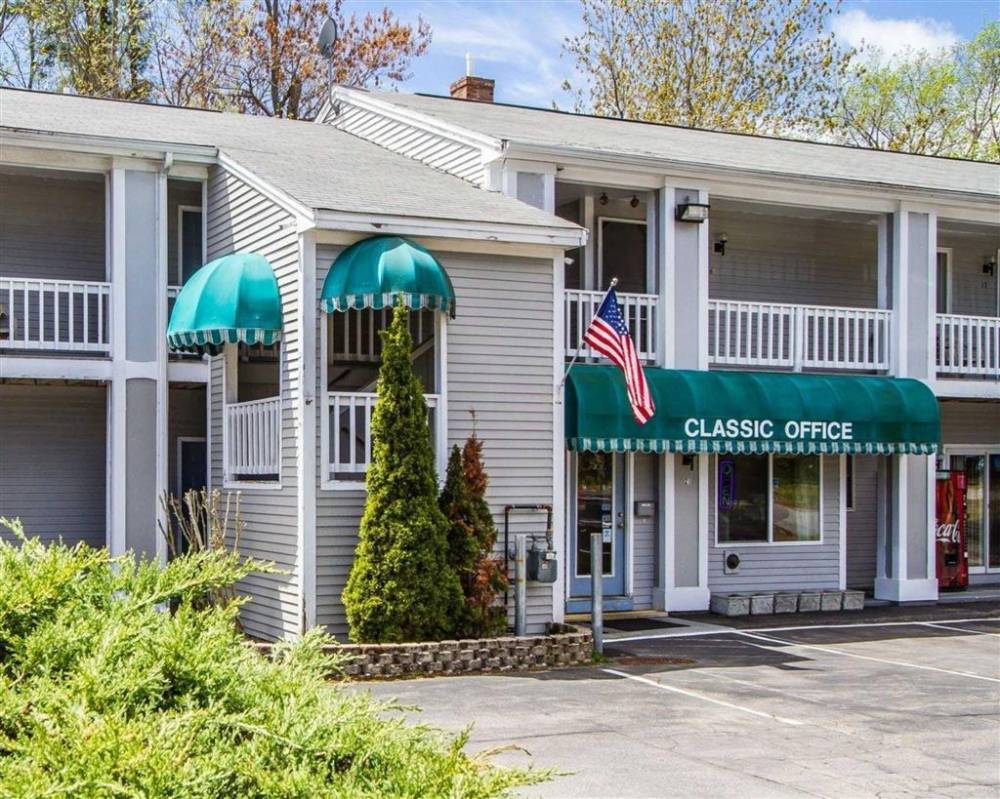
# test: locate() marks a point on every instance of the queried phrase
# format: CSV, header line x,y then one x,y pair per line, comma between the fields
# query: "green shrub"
x,y
401,587
105,694
472,536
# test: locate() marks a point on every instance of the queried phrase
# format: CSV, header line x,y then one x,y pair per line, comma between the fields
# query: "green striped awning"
x,y
752,413
230,300
378,272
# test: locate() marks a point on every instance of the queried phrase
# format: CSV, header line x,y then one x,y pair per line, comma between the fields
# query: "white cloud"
x,y
894,37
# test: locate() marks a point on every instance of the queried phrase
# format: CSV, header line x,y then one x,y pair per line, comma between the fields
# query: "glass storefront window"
x,y
741,498
994,490
761,499
795,509
974,467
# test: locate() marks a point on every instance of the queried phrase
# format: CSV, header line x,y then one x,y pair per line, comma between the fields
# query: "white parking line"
x,y
702,697
832,651
722,630
939,625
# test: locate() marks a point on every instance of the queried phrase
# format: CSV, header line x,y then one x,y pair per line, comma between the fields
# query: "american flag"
x,y
608,334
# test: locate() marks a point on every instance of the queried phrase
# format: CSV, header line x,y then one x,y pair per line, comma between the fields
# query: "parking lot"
x,y
890,708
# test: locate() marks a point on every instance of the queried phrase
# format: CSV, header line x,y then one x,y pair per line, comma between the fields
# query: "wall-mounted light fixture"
x,y
634,202
990,267
603,199
692,212
720,245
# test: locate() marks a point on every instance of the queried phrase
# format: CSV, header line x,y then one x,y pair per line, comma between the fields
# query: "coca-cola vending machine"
x,y
952,559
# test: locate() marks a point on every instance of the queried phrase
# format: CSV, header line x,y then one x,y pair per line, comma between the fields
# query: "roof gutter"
x,y
109,145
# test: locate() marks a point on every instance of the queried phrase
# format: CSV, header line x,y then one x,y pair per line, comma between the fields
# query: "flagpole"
x,y
576,355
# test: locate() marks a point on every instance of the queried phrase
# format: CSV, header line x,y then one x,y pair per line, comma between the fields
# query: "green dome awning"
x,y
375,272
752,412
232,299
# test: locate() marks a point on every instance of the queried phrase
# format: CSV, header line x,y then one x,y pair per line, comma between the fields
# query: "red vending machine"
x,y
952,559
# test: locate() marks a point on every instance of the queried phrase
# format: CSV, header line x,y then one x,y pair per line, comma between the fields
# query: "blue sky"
x,y
519,42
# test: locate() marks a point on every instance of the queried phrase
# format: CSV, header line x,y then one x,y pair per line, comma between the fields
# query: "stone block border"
x,y
786,602
563,645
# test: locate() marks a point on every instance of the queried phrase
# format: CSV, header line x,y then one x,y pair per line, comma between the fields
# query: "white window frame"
x,y
181,210
327,483
599,266
230,363
179,448
948,252
770,506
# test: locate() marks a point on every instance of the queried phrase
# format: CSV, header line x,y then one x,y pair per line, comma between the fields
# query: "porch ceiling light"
x,y
692,212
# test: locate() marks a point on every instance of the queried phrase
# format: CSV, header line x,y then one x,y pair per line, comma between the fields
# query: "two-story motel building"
x,y
820,325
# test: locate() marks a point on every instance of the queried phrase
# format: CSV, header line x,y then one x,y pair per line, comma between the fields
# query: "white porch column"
x,y
682,574
906,564
137,409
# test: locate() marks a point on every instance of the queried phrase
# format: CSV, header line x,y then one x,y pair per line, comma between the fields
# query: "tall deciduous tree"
x,y
739,65
101,47
401,586
945,103
261,56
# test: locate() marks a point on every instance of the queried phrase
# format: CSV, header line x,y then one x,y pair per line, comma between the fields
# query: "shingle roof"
x,y
321,167
699,148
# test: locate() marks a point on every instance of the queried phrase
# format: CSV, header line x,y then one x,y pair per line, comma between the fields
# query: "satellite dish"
x,y
328,38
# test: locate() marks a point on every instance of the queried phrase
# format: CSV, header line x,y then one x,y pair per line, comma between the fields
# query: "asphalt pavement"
x,y
894,703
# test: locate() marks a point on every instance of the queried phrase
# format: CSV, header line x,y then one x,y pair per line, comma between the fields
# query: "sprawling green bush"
x,y
401,587
104,693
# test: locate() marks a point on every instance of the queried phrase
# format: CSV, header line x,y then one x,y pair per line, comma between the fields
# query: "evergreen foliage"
x,y
471,538
401,586
104,694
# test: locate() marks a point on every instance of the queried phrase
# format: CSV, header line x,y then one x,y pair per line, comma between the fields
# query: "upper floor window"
x,y
189,242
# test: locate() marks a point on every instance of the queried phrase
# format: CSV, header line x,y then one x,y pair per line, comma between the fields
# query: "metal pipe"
x,y
521,585
597,590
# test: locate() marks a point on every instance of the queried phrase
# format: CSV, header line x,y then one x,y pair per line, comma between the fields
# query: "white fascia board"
x,y
682,168
305,216
450,228
951,388
31,368
365,101
188,371
109,145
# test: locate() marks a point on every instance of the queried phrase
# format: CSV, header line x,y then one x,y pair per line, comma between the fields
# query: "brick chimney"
x,y
469,87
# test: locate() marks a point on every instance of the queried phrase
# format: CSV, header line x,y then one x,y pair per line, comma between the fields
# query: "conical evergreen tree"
x,y
401,586
463,546
489,574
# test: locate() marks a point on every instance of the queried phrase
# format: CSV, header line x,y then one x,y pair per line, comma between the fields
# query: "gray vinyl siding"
x,y
451,155
505,376
969,422
644,554
862,524
53,460
185,419
777,567
52,227
972,292
775,258
241,219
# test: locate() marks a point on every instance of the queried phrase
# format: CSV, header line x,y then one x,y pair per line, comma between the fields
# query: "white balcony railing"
x,y
253,438
968,345
350,444
781,335
638,310
54,315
